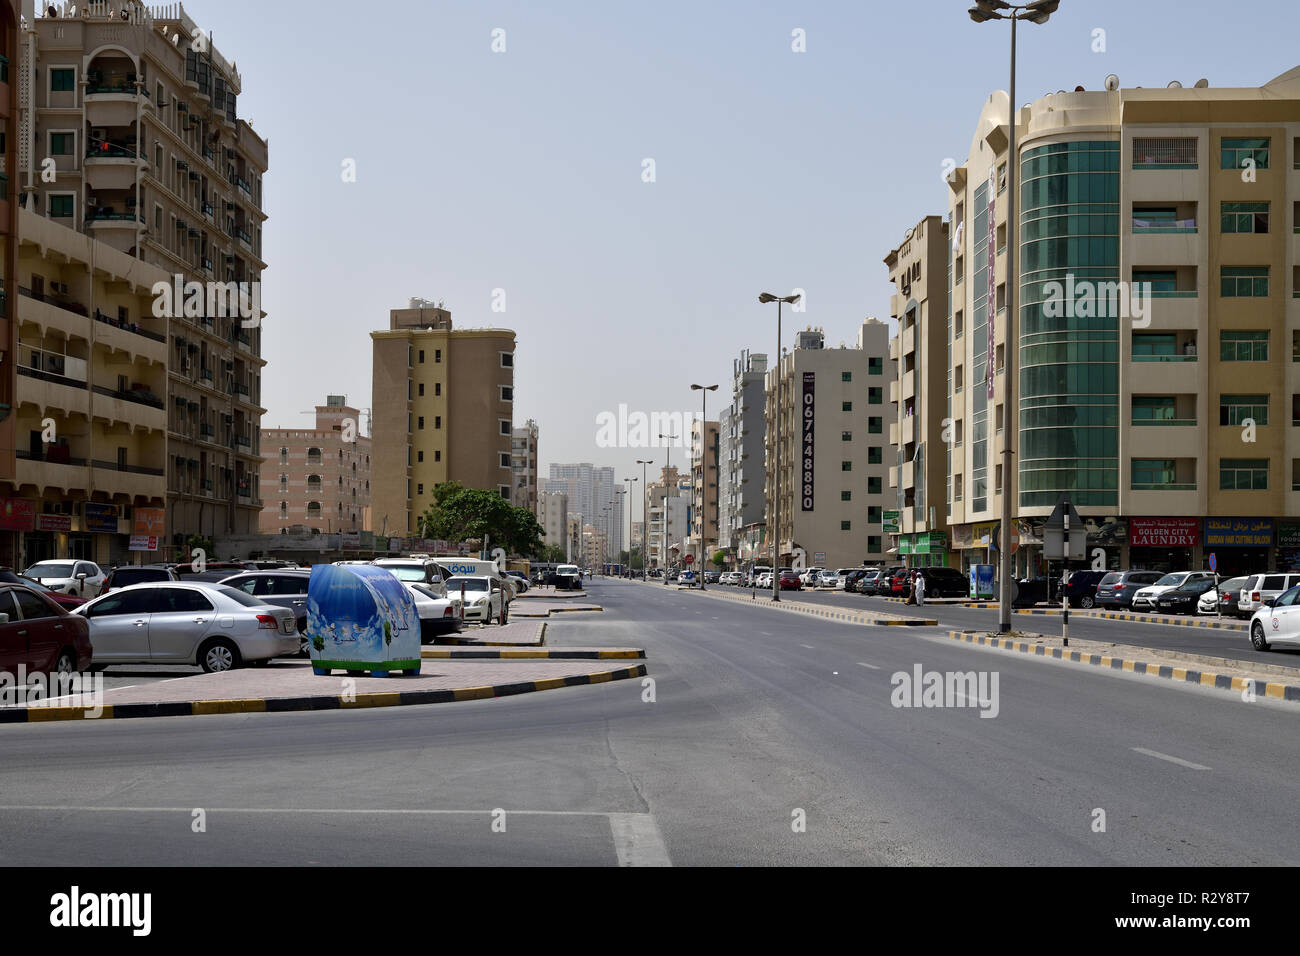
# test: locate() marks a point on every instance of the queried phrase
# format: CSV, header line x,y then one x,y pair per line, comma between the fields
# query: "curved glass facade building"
x,y
1069,343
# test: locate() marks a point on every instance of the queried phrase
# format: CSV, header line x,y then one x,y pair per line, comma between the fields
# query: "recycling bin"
x,y
361,618
981,582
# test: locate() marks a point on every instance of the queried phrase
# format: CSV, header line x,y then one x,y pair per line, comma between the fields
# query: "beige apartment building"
x,y
132,136
704,489
10,540
318,478
443,400
90,417
918,268
523,466
834,451
1139,408
552,515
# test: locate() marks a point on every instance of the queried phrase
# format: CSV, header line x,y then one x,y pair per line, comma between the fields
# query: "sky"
x,y
525,171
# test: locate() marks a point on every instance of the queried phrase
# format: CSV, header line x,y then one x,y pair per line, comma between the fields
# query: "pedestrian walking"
x,y
920,588
911,587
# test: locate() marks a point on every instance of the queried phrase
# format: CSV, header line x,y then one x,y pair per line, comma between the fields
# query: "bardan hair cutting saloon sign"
x,y
809,415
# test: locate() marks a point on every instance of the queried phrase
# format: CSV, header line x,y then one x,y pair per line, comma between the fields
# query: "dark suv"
x,y
1082,588
137,574
941,582
1117,588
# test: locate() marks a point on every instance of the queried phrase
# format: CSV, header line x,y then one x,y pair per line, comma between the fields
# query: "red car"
x,y
39,635
790,581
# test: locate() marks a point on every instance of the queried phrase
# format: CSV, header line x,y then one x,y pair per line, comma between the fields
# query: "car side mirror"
x,y
4,618
81,576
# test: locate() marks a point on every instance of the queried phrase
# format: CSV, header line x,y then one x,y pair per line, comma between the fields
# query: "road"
x,y
759,720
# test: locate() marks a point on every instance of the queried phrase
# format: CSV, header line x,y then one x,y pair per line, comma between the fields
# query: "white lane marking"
x,y
637,840
809,646
1178,760
870,666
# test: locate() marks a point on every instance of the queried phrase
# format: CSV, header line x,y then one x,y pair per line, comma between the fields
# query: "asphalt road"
x,y
759,720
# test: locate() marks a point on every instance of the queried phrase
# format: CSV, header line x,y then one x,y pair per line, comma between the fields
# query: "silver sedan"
x,y
213,626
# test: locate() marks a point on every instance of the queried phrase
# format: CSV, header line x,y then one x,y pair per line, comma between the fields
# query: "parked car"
x,y
827,579
126,574
211,625
790,581
1260,588
71,576
1277,621
286,589
1117,588
1081,588
64,600
941,582
415,571
39,635
521,580
568,578
861,580
1145,598
1224,599
189,570
764,581
1031,591
1184,598
483,598
898,583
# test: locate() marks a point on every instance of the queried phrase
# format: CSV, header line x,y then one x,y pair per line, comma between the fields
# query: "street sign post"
x,y
1214,569
1064,536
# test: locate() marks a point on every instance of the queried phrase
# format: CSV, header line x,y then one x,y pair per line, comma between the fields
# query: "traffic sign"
x,y
689,559
1214,562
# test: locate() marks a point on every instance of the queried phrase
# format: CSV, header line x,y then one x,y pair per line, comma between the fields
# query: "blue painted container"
x,y
361,618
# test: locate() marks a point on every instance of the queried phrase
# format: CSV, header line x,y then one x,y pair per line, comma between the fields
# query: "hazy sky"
x,y
523,170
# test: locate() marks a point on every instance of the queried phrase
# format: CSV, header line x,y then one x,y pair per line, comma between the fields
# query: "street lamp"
x,y
645,521
704,466
1037,12
628,482
765,298
668,464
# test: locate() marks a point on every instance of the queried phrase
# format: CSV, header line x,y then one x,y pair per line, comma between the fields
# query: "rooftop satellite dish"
x,y
1174,85
1201,84
1112,82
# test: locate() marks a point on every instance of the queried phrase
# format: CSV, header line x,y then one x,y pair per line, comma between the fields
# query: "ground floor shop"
x,y
41,529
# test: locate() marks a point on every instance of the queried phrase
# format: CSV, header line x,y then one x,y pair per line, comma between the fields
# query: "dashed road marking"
x,y
869,666
1178,760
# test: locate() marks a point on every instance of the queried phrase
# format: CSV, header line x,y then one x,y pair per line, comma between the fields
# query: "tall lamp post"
x,y
704,467
645,521
776,447
1036,12
628,482
668,464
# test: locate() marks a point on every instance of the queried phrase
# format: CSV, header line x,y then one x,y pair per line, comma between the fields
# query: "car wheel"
x,y
218,656
1257,639
66,662
1087,602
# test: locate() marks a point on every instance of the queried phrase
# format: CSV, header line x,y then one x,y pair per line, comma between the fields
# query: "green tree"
x,y
720,559
458,513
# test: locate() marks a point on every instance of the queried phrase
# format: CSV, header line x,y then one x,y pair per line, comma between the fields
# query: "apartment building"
x,y
443,400
319,478
668,524
741,472
552,515
704,489
148,155
918,268
834,451
9,33
90,416
1164,418
591,494
523,466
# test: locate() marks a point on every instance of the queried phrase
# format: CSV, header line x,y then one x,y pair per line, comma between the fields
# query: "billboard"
x,y
808,430
148,522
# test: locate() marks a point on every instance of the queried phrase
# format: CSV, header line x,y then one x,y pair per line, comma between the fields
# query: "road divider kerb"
x,y
821,610
1142,618
533,654
1271,689
200,708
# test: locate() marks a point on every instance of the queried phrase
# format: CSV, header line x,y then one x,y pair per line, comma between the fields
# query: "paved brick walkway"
x,y
515,634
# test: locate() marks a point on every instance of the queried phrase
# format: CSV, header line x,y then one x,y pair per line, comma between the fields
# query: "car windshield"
x,y
50,569
470,584
406,573
567,569
427,591
1111,578
1170,580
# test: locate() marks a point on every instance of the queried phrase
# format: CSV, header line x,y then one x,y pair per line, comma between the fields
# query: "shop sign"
x,y
350,540
144,542
1111,532
1288,534
1238,532
148,521
905,544
17,514
889,522
1163,532
962,538
61,523
99,518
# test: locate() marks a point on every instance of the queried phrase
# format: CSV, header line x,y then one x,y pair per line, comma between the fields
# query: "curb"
x,y
1270,689
827,611
466,642
554,654
1143,619
274,705
910,622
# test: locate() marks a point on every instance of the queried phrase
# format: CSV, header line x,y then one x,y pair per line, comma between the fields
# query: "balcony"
x,y
68,474
112,154
138,406
108,218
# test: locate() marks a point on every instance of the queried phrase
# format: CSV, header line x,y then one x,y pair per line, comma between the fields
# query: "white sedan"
x,y
82,578
1276,623
1148,596
211,625
483,597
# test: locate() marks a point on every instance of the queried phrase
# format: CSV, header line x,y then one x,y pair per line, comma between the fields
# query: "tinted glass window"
x,y
124,576
32,606
86,568
1288,599
1274,582
1146,577
182,600
125,602
247,585
7,605
1111,578
239,597
287,585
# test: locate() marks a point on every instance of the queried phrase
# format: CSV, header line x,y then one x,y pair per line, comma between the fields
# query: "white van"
x,y
1262,588
453,565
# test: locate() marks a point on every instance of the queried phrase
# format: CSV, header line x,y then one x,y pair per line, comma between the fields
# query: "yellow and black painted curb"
x,y
274,705
1269,689
909,622
823,610
1142,618
532,654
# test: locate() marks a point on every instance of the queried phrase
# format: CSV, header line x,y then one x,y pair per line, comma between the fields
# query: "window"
x,y
1152,409
846,376
875,455
845,526
1149,474
419,456
875,366
873,544
507,360
875,425
61,144
437,355
875,396
1152,346
507,393
1160,280
437,455
846,436
504,491
846,496
1235,409
874,514
420,426
1243,281
60,206
956,488
505,426
63,81
1150,152
505,460
873,486
422,390
846,466
421,356
1243,474
419,489
437,388
846,406
1234,152
437,421
1243,217
1243,346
